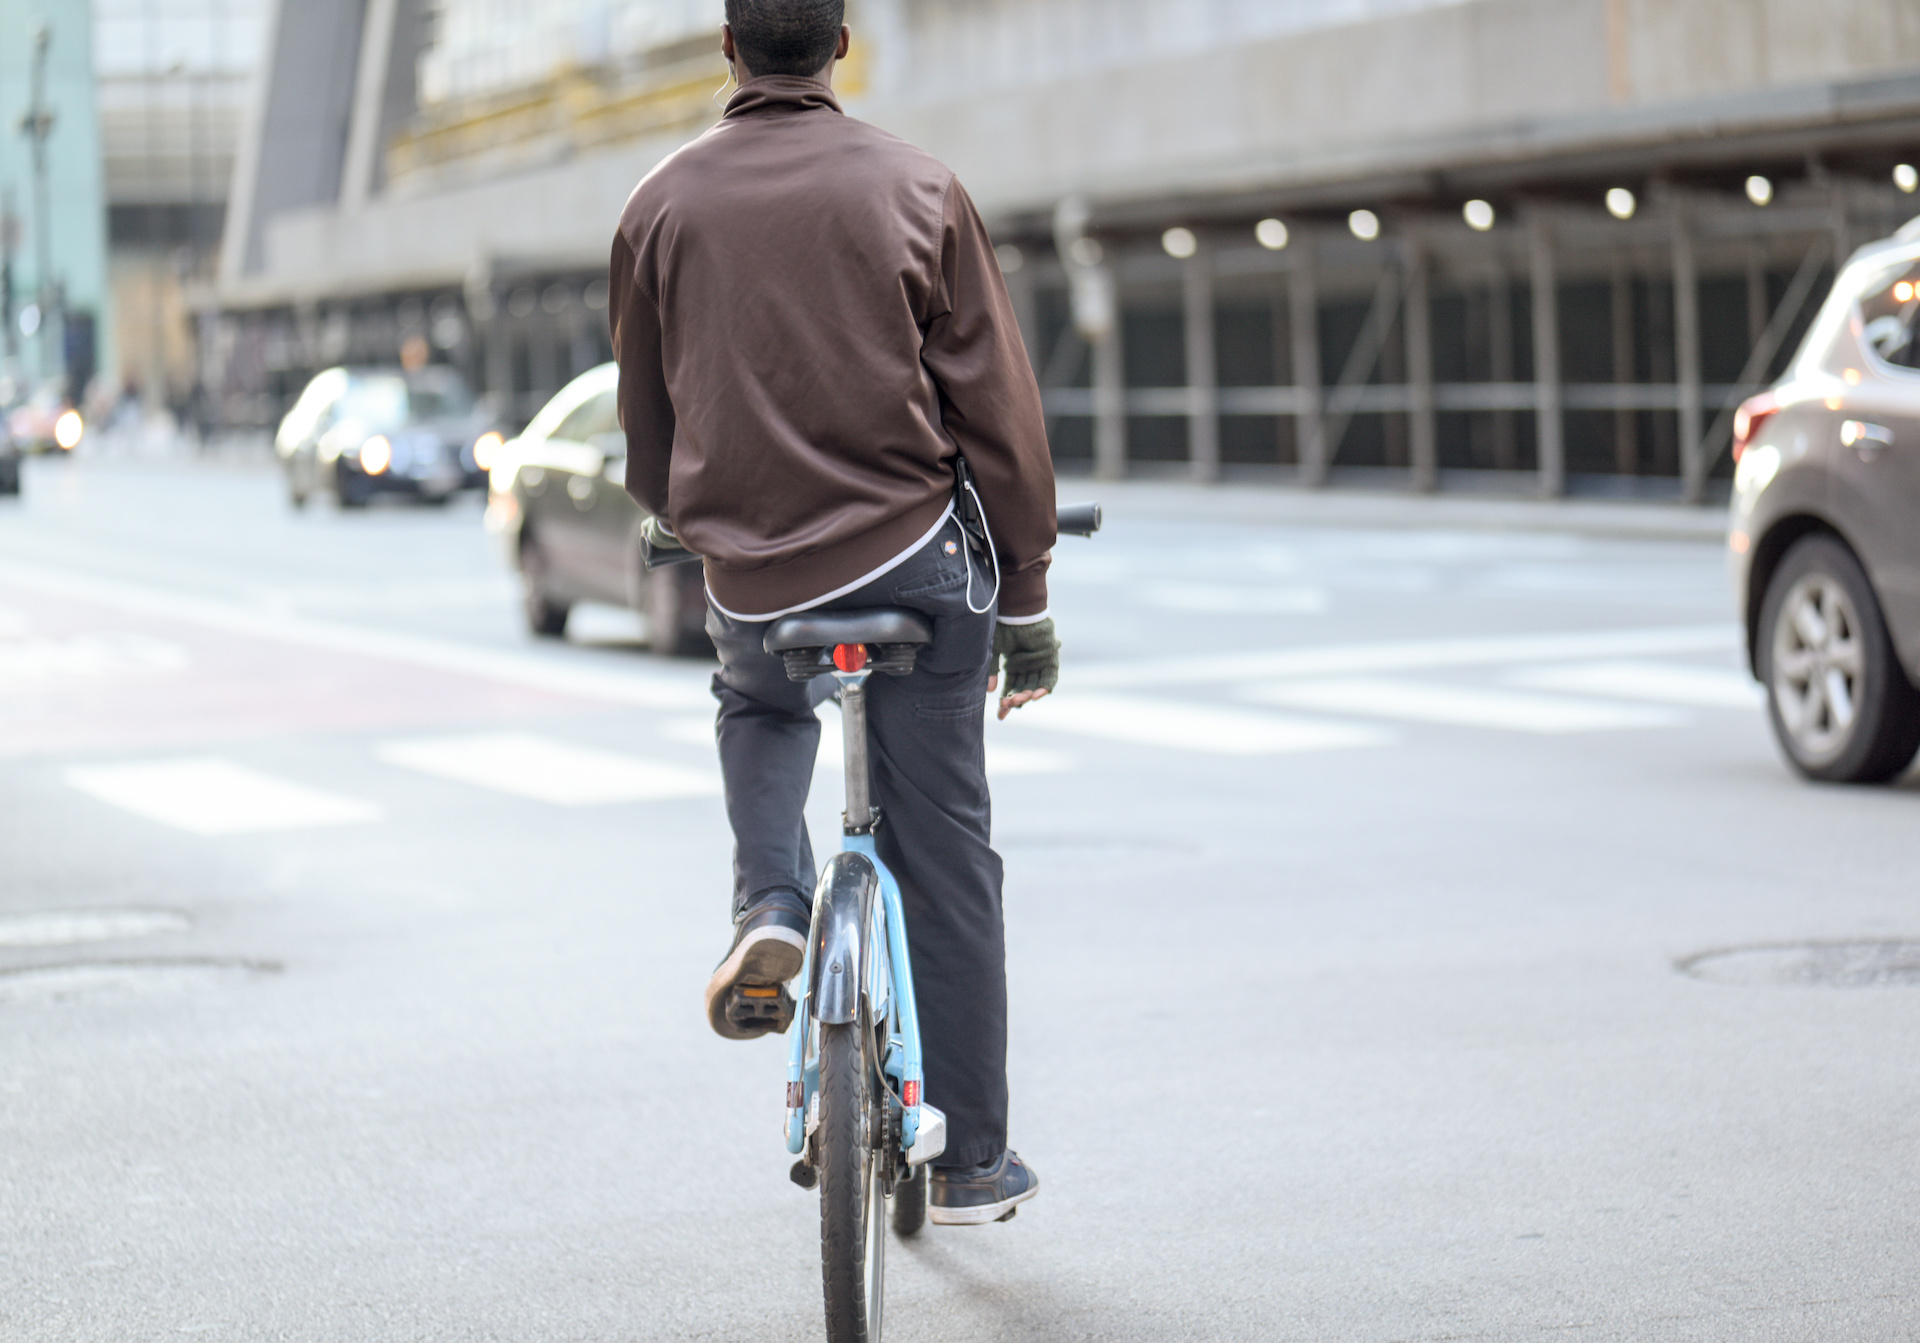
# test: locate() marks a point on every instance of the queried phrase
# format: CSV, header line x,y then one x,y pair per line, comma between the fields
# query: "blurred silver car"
x,y
1825,533
559,501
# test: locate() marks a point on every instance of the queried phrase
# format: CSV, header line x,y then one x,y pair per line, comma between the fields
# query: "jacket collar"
x,y
778,95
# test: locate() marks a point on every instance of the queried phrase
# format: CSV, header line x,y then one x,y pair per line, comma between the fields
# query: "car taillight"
x,y
1747,420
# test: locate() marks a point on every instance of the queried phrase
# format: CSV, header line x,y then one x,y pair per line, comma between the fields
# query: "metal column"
x,y
1025,311
1203,400
1500,358
1423,442
1303,310
1686,356
1549,430
1109,405
1626,448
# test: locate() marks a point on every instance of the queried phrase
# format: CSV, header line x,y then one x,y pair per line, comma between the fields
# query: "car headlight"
x,y
376,455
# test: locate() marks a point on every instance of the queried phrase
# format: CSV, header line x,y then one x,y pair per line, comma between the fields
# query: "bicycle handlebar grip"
x,y
655,557
1078,519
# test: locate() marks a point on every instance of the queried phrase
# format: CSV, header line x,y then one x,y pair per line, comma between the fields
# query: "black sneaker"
x,y
747,995
973,1195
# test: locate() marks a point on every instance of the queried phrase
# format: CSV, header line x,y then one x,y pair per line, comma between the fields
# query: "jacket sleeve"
x,y
646,411
990,405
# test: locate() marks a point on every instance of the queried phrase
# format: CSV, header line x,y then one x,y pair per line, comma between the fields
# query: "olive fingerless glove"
x,y
1026,657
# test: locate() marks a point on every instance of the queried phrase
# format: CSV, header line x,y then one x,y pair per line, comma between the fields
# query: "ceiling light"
x,y
1905,177
1086,252
1270,234
1365,225
1478,214
1759,190
1179,242
1620,203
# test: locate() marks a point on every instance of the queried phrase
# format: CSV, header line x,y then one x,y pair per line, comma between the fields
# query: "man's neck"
x,y
823,76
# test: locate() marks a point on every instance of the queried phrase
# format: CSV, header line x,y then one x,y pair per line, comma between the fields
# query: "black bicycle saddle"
x,y
825,629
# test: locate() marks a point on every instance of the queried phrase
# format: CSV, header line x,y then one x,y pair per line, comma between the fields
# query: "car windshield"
x,y
387,401
1889,307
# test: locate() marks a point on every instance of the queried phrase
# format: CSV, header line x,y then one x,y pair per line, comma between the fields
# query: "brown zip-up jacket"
x,y
810,323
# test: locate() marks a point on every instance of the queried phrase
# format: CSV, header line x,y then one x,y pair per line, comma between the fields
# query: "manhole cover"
x,y
1846,965
62,928
122,979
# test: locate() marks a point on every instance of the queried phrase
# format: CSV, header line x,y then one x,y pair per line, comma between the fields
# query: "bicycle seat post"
x,y
860,815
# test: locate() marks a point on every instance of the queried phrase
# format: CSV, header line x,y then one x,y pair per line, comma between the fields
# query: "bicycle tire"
x,y
910,1203
853,1232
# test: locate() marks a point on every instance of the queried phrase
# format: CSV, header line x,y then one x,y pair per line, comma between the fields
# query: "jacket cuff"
x,y
1023,596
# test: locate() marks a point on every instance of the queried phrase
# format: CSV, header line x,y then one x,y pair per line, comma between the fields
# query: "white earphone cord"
x,y
992,550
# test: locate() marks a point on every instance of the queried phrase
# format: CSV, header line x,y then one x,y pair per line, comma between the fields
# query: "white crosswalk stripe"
x,y
1003,760
547,769
1658,682
1192,727
1462,705
1414,655
211,796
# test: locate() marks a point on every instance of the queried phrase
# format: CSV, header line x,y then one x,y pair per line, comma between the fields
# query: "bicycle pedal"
x,y
804,1175
760,1007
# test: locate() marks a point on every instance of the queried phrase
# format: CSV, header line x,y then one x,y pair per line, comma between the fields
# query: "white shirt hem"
x,y
842,591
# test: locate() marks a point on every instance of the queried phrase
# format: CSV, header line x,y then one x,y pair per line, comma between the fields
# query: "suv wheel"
x,y
546,616
1840,703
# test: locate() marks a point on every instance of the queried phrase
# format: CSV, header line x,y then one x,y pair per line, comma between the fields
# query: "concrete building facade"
x,y
1521,244
171,84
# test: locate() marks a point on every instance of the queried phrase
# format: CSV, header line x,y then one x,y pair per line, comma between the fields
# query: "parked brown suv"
x,y
1825,534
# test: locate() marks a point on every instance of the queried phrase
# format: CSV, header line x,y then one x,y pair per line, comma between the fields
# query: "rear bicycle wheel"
x,y
853,1189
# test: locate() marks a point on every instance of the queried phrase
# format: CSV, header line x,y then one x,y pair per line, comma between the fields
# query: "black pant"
x,y
930,781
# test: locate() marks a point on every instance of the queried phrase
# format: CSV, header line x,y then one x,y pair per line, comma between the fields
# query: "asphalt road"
x,y
351,948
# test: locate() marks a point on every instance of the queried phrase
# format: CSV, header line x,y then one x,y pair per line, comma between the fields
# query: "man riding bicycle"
x,y
811,327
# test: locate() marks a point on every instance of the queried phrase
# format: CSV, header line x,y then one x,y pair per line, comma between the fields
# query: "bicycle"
x,y
857,1118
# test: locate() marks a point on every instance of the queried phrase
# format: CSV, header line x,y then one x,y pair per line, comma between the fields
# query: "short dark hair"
x,y
785,37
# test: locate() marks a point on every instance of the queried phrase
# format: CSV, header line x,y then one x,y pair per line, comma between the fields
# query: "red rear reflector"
x,y
910,1093
1747,420
850,657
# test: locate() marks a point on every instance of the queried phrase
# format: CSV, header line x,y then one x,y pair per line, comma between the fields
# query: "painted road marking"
x,y
211,796
66,927
1235,599
1192,727
1002,760
656,685
1462,706
1413,655
63,659
547,769
1659,682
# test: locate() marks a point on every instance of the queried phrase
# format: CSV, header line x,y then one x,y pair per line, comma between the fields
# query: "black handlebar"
x,y
1073,520
1078,519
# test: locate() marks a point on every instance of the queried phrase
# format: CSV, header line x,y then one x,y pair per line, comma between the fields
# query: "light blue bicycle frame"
x,y
882,960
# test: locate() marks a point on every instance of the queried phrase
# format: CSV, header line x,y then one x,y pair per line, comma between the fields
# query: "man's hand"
x,y
658,534
1031,656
